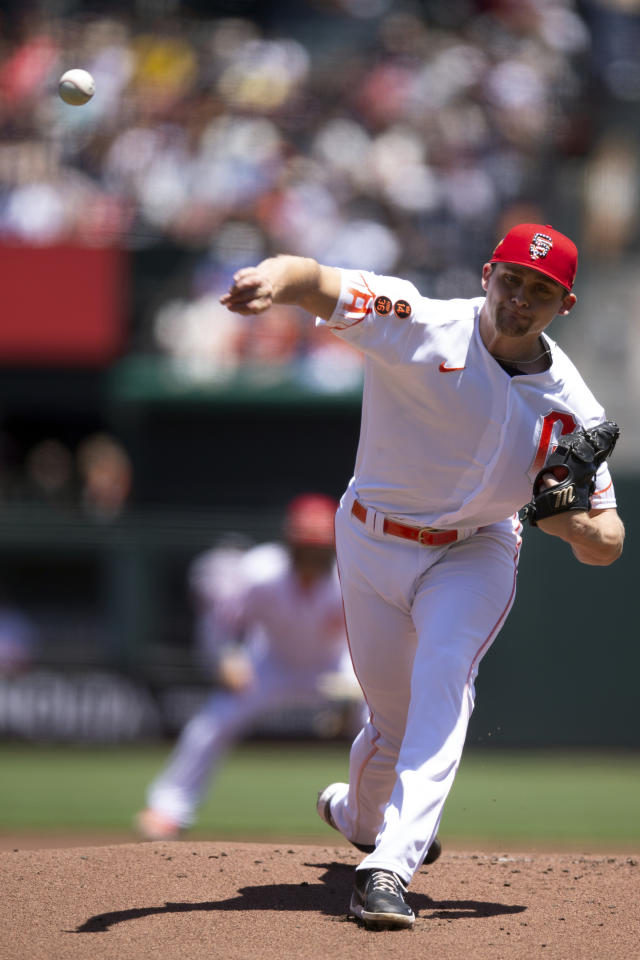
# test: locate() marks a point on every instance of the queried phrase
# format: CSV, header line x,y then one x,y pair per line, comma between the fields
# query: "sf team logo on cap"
x,y
540,246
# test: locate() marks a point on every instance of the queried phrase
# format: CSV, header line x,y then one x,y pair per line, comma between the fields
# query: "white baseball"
x,y
76,87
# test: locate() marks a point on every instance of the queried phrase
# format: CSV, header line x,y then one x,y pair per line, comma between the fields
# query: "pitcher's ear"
x,y
568,303
487,270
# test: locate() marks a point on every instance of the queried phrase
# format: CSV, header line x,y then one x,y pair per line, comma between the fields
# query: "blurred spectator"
x,y
201,342
615,35
49,473
612,195
106,476
272,341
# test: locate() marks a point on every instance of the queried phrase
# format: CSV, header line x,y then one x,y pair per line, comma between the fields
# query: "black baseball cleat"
x,y
378,900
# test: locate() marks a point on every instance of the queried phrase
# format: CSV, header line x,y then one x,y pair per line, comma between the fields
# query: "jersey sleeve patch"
x,y
356,302
383,306
402,309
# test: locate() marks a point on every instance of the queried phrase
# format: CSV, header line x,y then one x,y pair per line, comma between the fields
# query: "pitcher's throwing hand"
x,y
250,292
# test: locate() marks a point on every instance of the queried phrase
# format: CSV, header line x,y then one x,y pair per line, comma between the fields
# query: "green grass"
x,y
265,791
547,798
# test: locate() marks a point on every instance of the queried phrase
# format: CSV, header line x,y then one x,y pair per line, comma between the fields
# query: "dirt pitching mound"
x,y
246,901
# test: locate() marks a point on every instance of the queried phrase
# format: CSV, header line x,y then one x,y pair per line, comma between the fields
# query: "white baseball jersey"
x,y
449,439
257,594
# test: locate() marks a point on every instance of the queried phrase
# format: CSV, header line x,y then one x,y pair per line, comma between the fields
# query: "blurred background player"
x,y
271,618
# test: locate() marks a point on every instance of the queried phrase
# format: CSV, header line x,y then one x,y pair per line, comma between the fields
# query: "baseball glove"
x,y
573,464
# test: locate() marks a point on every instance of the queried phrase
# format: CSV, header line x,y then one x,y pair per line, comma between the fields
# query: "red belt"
x,y
425,535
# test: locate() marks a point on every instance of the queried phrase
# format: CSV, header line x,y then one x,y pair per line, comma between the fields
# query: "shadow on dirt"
x,y
329,896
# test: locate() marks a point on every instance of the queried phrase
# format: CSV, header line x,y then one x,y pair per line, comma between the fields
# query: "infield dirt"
x,y
246,901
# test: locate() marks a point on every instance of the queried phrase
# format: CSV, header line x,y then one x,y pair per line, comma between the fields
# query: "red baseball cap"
x,y
541,248
310,520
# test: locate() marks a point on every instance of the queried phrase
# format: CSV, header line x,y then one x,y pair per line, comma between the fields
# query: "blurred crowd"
x,y
403,137
94,476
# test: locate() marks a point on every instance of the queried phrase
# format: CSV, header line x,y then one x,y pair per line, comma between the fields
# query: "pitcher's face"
x,y
521,302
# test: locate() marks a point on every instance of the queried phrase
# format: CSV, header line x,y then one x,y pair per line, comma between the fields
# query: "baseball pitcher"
x,y
470,411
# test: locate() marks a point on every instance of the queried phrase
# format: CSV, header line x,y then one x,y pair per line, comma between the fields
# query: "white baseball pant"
x,y
419,619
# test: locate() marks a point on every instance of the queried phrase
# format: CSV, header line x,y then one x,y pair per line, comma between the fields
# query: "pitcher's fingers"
x,y
246,307
249,281
242,295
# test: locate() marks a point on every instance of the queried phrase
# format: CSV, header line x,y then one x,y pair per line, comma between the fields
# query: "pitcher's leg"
x,y
460,605
382,639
